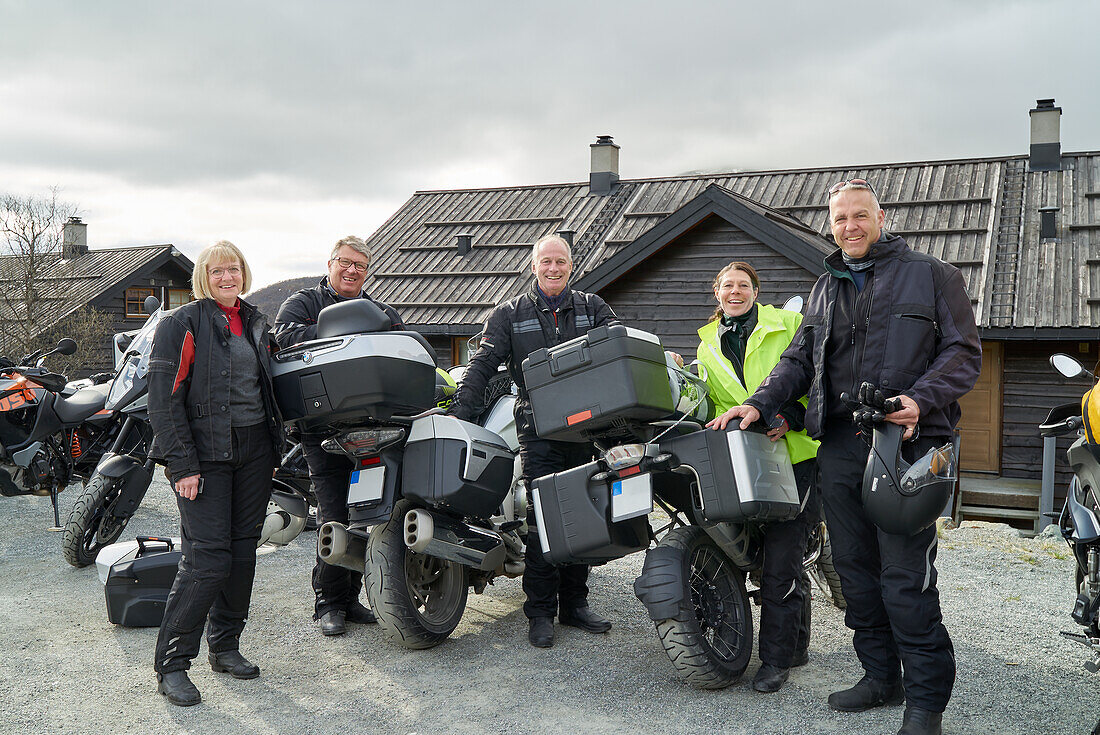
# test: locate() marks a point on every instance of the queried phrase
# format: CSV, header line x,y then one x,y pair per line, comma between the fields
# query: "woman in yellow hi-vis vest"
x,y
739,347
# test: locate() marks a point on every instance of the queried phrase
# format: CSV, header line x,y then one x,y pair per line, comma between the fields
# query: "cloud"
x,y
294,123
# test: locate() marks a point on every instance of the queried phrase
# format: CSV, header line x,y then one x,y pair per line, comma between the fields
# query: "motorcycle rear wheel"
x,y
418,599
89,528
710,640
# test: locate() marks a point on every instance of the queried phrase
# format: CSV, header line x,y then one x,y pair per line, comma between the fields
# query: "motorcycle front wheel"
x,y
710,640
823,572
89,527
418,599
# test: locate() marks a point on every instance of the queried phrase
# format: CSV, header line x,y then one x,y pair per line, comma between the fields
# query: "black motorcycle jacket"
x,y
513,331
296,321
189,371
917,336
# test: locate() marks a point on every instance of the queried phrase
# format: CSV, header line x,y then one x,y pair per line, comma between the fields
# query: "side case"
x,y
138,582
573,515
738,475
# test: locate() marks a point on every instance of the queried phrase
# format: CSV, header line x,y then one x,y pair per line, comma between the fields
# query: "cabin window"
x,y
178,297
135,302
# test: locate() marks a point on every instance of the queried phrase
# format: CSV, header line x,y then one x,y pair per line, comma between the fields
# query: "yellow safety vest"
x,y
775,328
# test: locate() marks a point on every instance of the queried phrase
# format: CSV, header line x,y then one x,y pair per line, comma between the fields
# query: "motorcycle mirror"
x,y
794,303
66,347
123,340
1066,365
151,304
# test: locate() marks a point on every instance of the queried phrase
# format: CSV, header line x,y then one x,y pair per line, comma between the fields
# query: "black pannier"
x,y
737,475
137,582
573,515
456,466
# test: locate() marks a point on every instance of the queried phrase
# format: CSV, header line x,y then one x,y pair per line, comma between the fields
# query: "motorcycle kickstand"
x,y
56,516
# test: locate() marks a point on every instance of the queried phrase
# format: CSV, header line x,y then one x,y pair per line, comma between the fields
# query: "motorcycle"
x,y
50,433
1079,520
695,579
123,474
435,503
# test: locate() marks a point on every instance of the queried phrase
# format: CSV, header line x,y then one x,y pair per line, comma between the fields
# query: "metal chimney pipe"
x,y
604,175
465,243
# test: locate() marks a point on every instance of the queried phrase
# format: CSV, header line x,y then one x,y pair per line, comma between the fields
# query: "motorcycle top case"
x,y
346,378
612,375
137,576
739,475
456,466
573,516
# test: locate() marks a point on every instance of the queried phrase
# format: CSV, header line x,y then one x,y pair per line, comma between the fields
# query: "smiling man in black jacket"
x,y
901,320
547,315
336,589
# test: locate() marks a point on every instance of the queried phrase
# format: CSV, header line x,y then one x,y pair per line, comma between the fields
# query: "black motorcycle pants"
x,y
784,589
220,529
889,580
334,587
550,589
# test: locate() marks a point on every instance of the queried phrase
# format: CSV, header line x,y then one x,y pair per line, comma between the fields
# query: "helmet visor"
x,y
937,466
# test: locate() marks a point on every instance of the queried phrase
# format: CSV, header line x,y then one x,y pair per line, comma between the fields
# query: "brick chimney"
x,y
74,238
604,176
1046,144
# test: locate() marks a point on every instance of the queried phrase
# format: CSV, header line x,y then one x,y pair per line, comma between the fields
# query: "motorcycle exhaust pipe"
x,y
336,546
451,539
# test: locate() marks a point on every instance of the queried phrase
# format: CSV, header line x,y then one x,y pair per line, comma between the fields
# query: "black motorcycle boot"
x,y
917,721
585,619
360,614
332,623
233,663
867,694
541,632
769,678
177,686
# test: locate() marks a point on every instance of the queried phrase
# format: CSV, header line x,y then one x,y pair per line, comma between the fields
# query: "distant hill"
x,y
269,298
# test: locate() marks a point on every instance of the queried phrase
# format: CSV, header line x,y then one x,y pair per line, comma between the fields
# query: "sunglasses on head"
x,y
852,184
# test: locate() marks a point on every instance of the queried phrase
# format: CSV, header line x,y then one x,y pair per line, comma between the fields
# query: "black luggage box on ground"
x,y
610,376
138,583
739,475
573,515
345,378
455,465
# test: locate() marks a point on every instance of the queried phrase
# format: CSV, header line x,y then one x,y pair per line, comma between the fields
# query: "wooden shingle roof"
x,y
980,214
74,283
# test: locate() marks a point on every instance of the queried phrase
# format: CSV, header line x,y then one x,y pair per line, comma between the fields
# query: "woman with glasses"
x,y
738,347
218,433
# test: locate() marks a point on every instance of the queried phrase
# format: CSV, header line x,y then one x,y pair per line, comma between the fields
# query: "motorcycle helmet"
x,y
903,498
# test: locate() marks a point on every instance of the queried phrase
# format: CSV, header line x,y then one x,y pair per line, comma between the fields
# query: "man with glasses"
x,y
336,589
901,320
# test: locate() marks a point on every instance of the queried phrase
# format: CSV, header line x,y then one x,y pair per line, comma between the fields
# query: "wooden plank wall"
x,y
670,293
1031,389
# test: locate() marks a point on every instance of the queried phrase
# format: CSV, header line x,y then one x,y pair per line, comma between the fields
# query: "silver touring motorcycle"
x,y
434,502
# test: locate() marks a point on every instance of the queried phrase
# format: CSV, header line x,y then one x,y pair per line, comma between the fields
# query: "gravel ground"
x,y
65,669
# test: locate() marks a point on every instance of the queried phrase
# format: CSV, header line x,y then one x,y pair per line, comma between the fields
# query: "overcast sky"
x,y
283,126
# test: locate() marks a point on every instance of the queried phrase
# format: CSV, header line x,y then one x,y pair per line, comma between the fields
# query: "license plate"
x,y
631,497
366,485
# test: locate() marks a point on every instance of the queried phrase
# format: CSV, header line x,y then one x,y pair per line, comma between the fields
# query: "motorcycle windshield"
x,y
131,379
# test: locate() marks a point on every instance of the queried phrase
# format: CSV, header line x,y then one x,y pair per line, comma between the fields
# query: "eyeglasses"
x,y
851,184
345,264
219,272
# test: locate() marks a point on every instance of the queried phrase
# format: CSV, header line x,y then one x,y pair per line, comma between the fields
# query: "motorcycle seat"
x,y
82,404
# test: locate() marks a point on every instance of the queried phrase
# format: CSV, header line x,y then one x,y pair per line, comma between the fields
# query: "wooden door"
x,y
980,427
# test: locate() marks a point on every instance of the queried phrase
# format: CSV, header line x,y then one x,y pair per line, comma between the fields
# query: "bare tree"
x,y
34,280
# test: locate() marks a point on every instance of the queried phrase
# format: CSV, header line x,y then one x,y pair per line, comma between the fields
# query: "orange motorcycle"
x,y
49,434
